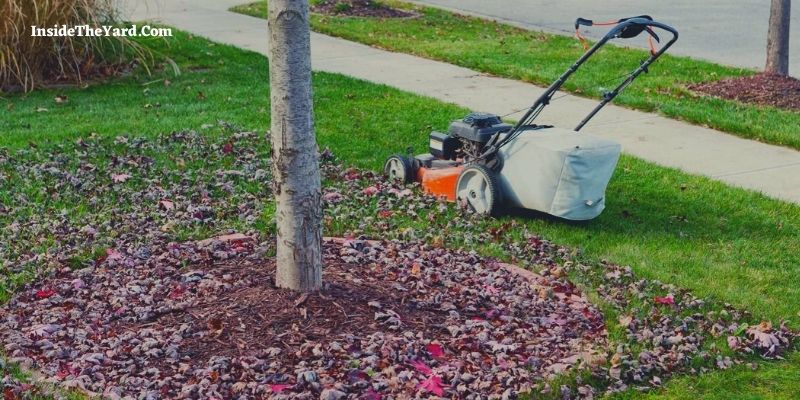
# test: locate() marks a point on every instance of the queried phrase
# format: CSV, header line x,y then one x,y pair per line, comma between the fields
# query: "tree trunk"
x,y
295,161
778,38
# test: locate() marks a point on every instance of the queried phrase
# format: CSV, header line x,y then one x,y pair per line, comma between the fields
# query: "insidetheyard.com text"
x,y
94,31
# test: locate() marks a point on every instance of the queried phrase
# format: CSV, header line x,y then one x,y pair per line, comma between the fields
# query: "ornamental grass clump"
x,y
28,61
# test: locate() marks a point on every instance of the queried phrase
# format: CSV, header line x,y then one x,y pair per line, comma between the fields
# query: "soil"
x,y
239,317
762,89
358,8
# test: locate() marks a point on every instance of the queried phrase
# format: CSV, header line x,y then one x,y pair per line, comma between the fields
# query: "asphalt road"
x,y
732,32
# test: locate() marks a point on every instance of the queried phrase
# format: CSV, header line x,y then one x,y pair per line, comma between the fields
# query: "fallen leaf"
x,y
370,191
277,388
45,293
371,394
433,384
490,289
764,339
733,342
60,99
435,350
120,178
668,299
227,148
421,367
616,359
332,197
113,254
166,205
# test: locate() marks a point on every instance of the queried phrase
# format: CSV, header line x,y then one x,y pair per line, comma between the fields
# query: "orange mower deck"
x,y
440,182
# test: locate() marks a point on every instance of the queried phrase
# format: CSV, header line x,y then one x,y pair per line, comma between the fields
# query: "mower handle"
x,y
623,28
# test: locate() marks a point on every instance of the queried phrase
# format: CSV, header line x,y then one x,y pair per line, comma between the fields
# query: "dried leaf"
x,y
120,178
166,205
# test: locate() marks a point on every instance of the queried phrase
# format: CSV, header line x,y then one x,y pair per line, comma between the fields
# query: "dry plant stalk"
x,y
27,61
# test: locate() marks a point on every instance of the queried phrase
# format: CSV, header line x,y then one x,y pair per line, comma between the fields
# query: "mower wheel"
x,y
478,189
399,168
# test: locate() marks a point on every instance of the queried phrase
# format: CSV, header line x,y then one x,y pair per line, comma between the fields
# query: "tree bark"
x,y
295,160
778,38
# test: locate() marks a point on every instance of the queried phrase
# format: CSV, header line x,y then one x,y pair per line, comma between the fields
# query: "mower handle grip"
x,y
622,26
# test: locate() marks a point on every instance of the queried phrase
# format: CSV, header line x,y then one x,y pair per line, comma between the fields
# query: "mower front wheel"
x,y
478,189
399,168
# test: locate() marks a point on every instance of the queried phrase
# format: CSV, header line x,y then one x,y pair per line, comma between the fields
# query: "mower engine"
x,y
465,139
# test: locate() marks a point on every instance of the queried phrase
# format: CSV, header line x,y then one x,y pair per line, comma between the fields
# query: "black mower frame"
x,y
624,28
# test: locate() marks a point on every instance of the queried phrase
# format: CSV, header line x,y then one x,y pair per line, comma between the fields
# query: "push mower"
x,y
485,164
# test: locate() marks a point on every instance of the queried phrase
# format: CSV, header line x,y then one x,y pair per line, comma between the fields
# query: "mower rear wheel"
x,y
399,168
478,189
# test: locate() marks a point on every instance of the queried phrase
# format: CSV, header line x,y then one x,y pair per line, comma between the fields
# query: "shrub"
x,y
27,62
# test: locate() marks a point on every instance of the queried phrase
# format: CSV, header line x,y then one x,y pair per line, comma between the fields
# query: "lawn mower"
x,y
484,164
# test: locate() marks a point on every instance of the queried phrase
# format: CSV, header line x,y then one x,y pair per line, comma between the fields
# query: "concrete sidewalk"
x,y
773,170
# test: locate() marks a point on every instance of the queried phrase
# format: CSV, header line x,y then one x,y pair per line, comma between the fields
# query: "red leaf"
x,y
227,148
433,384
435,350
177,292
384,213
370,191
278,388
44,293
351,174
421,367
668,299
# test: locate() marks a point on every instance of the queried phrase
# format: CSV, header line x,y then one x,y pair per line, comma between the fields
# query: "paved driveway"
x,y
732,32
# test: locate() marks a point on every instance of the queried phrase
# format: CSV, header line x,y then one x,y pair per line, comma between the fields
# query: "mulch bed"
x,y
394,319
762,89
358,8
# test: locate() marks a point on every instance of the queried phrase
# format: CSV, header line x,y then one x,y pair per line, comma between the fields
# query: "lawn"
x,y
773,381
540,58
720,242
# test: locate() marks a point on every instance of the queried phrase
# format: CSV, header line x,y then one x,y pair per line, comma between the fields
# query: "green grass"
x,y
540,58
727,243
773,381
